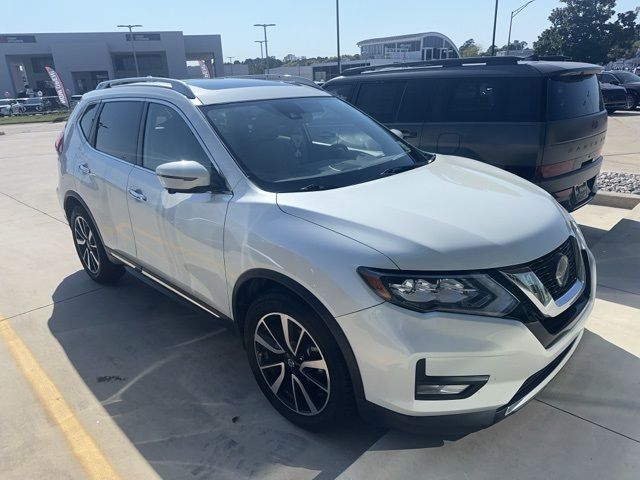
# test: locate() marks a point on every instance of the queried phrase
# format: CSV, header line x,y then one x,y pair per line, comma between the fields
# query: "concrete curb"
x,y
615,199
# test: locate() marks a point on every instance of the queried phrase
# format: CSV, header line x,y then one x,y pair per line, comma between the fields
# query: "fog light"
x,y
445,388
440,389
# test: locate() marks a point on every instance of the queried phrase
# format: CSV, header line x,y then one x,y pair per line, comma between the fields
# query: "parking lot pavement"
x,y
621,148
166,391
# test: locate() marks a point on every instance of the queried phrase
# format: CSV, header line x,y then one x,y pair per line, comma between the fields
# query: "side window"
x,y
421,101
380,100
608,78
87,119
493,99
341,90
117,131
167,138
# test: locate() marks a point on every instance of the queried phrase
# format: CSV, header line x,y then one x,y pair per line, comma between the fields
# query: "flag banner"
x,y
204,69
57,83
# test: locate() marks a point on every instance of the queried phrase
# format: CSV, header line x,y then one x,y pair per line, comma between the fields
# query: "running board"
x,y
163,285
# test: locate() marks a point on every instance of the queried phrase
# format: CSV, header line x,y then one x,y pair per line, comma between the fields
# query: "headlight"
x,y
461,293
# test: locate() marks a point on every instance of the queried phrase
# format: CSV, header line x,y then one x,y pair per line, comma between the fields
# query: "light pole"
x,y
266,43
338,36
133,44
261,54
231,63
513,14
493,40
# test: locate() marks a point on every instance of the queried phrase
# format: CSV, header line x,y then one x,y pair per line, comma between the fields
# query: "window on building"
x,y
117,130
380,100
167,138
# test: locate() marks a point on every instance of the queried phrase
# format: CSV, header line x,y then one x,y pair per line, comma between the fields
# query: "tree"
x,y
469,48
582,30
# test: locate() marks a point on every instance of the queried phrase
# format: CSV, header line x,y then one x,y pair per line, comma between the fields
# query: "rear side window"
x,y
421,101
87,119
343,91
573,96
380,100
117,130
167,138
490,99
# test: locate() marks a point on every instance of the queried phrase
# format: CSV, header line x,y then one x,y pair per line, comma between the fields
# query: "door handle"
x,y
137,194
85,170
408,134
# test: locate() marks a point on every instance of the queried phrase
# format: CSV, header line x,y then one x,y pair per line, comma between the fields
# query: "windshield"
x,y
627,77
293,144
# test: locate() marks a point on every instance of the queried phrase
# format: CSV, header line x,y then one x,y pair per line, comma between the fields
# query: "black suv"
x,y
630,81
542,120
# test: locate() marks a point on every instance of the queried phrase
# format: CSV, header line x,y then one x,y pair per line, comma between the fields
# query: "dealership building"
x,y
409,48
82,60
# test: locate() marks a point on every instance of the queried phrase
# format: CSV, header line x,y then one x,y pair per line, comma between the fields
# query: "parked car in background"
x,y
542,120
5,108
33,104
614,97
428,291
630,81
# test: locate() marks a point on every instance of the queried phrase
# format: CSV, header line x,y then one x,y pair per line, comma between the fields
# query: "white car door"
x,y
178,236
103,166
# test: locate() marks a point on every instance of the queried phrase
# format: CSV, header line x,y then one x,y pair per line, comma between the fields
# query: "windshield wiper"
x,y
403,168
313,187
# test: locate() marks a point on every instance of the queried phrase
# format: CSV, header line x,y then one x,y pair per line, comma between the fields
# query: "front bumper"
x,y
388,342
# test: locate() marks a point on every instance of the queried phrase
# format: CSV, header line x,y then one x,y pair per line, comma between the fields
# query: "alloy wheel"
x,y
292,364
629,102
86,243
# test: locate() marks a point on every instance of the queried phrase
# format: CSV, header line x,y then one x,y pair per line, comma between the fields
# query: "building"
x,y
305,71
409,48
527,52
82,60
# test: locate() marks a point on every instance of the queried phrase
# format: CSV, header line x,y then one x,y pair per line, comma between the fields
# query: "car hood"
x,y
453,214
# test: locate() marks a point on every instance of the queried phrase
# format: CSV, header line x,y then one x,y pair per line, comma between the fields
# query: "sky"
x,y
303,27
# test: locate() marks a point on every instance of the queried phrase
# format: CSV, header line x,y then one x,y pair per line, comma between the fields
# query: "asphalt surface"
x,y
164,391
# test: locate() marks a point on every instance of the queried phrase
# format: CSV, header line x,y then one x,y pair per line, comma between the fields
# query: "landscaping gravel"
x,y
619,182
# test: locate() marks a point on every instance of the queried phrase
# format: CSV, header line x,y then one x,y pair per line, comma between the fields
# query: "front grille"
x,y
545,268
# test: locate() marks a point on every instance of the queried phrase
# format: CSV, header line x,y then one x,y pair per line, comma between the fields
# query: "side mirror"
x,y
397,133
183,176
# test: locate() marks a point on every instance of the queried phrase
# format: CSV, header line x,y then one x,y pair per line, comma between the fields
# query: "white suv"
x,y
433,292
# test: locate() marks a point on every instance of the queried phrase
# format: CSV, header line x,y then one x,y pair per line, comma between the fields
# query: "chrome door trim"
x,y
164,284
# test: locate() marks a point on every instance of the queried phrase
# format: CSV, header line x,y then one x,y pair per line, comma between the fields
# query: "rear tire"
x,y
632,102
90,249
301,372
611,111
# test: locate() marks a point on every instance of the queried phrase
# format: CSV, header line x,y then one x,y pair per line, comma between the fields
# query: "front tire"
x,y
296,362
611,111
90,249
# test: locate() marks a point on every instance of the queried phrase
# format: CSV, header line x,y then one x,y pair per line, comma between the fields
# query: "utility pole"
x,y
266,43
261,54
338,36
133,44
513,14
493,41
231,63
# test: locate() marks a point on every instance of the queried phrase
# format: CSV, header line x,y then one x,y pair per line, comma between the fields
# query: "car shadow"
x,y
177,383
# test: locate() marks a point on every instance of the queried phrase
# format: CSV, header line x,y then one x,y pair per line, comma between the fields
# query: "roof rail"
x,y
446,62
177,85
283,77
548,58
